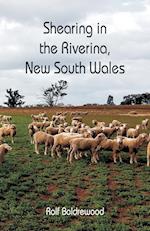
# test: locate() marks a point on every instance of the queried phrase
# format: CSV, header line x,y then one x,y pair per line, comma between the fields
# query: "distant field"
x,y
116,110
29,182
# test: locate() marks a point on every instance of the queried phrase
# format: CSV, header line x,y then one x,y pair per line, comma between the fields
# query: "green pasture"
x,y
29,183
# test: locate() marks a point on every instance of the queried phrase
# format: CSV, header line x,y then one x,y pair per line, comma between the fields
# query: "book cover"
x,y
74,115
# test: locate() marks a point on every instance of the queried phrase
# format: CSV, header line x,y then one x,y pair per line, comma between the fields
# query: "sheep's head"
x,y
65,124
100,137
30,126
13,126
87,134
143,138
111,125
119,140
124,125
7,147
94,122
138,126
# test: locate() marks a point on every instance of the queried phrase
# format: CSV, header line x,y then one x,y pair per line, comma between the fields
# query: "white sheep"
x,y
8,131
111,145
4,148
132,146
32,129
62,140
145,123
43,138
85,144
134,132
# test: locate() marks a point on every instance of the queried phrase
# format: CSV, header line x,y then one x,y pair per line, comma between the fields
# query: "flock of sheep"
x,y
78,138
81,140
7,129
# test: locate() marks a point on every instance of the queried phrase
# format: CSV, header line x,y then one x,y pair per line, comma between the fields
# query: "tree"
x,y
136,99
55,92
14,99
110,100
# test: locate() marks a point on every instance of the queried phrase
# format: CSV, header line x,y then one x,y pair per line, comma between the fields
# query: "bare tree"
x,y
55,92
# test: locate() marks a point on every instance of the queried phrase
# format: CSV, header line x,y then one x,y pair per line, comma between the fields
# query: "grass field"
x,y
29,183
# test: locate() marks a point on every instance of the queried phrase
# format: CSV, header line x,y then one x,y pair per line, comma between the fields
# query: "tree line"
x,y
53,94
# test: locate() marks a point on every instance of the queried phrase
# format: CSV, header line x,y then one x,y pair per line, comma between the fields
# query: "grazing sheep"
x,y
77,118
39,125
43,114
62,140
111,145
4,148
54,130
35,118
5,119
46,124
83,130
85,144
95,131
8,131
58,119
31,130
43,138
145,123
75,113
97,123
109,131
133,132
132,146
40,117
115,123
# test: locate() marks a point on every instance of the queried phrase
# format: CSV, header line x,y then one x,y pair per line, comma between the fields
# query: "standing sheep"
x,y
133,132
31,130
145,123
4,148
85,144
43,138
10,130
109,131
132,146
111,145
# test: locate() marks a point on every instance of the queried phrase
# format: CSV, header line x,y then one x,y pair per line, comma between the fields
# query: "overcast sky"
x,y
128,39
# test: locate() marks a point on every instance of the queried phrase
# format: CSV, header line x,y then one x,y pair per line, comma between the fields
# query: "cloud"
x,y
128,39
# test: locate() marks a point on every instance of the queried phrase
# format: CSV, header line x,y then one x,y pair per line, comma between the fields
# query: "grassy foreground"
x,y
29,183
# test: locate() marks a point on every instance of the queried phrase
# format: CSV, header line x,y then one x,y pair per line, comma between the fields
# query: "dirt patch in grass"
x,y
45,161
112,184
81,194
52,188
138,182
40,210
23,160
44,197
146,194
123,216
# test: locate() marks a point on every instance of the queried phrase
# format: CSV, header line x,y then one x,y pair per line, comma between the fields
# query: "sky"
x,y
127,38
